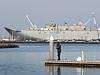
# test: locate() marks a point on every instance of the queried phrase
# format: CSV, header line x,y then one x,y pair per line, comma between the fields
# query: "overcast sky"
x,y
12,12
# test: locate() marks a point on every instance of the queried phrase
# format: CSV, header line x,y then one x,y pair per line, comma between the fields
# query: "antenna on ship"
x,y
33,25
52,20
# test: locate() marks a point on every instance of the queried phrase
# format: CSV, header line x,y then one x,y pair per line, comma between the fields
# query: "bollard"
x,y
51,45
82,58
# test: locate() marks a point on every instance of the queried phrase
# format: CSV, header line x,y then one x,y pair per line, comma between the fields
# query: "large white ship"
x,y
65,32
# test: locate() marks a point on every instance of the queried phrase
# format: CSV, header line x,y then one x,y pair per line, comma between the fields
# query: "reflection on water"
x,y
51,70
79,71
59,70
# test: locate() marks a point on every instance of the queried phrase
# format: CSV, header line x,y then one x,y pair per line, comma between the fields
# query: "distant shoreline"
x,y
71,42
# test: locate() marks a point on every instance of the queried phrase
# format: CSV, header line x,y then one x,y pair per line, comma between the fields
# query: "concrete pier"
x,y
72,63
80,62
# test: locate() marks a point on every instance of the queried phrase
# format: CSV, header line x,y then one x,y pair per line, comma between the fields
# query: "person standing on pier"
x,y
58,47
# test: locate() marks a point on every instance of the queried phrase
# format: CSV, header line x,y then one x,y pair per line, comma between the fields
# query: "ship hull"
x,y
67,35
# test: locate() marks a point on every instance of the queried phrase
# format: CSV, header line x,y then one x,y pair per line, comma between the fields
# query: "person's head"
x,y
58,42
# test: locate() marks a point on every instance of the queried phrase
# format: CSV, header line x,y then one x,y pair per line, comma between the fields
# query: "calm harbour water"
x,y
29,59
